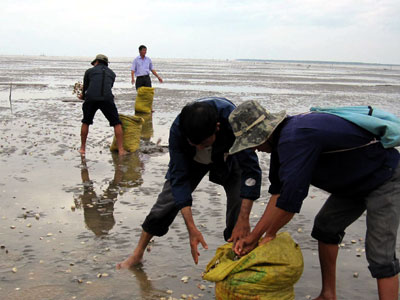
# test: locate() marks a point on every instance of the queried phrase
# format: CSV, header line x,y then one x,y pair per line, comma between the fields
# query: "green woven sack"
x,y
144,99
132,127
269,272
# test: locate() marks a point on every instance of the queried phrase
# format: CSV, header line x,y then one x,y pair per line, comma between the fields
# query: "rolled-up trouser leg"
x,y
335,216
164,211
233,199
383,213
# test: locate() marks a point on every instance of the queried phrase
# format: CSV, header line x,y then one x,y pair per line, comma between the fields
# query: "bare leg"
x,y
388,288
137,256
119,135
327,257
84,134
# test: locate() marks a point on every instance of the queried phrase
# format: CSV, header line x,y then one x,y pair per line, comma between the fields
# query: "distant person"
x,y
141,68
97,84
336,156
199,141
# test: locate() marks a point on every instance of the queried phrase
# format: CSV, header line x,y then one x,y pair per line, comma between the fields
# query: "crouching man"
x,y
341,158
199,142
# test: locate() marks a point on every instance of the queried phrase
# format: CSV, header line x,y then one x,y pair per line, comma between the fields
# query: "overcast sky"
x,y
339,30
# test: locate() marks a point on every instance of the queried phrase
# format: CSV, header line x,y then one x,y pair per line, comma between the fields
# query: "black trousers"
x,y
143,81
164,211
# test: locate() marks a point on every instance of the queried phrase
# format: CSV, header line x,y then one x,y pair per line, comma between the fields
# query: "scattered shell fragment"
x,y
89,282
14,270
185,279
29,225
37,216
12,227
104,274
355,275
201,286
342,245
169,292
299,230
308,297
353,241
183,296
49,234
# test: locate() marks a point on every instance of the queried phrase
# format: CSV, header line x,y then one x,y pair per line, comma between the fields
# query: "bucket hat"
x,y
101,57
252,125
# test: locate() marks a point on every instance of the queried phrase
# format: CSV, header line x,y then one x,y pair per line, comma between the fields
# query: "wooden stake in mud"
x,y
10,97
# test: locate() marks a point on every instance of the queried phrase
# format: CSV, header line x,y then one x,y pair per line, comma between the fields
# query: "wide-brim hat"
x,y
252,125
101,57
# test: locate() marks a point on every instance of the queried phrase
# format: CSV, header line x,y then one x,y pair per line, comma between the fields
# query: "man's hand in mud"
x,y
241,230
195,238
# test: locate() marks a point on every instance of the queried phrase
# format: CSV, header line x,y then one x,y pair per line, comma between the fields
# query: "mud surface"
x,y
65,221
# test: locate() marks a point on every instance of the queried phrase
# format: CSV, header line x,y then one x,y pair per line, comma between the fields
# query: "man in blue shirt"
x,y
141,68
199,141
339,157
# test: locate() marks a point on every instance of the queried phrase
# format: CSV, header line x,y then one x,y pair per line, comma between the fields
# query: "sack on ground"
x,y
144,99
269,272
132,127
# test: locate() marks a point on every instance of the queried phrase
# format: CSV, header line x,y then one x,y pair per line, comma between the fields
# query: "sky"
x,y
341,30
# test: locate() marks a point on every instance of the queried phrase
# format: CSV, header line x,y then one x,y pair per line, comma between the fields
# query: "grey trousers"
x,y
164,210
383,215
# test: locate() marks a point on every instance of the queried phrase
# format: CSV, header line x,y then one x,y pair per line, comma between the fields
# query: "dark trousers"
x,y
164,210
143,81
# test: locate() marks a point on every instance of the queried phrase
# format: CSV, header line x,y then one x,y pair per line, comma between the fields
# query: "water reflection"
x,y
99,209
147,126
147,290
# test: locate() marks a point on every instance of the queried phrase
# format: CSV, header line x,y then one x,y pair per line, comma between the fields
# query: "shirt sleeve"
x,y
150,65
179,169
297,160
133,66
250,175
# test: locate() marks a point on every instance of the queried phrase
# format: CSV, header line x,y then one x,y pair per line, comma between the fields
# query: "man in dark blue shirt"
x,y
199,142
97,93
339,157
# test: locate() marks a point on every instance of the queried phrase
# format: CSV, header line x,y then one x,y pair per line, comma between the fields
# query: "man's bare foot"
x,y
82,151
131,261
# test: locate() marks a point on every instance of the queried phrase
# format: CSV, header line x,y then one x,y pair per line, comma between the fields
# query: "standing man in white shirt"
x,y
141,68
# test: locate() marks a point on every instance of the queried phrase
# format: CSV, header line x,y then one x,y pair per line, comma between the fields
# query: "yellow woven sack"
x,y
144,99
269,272
147,126
132,127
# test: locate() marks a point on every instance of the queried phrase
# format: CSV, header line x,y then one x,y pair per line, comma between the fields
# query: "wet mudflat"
x,y
66,221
